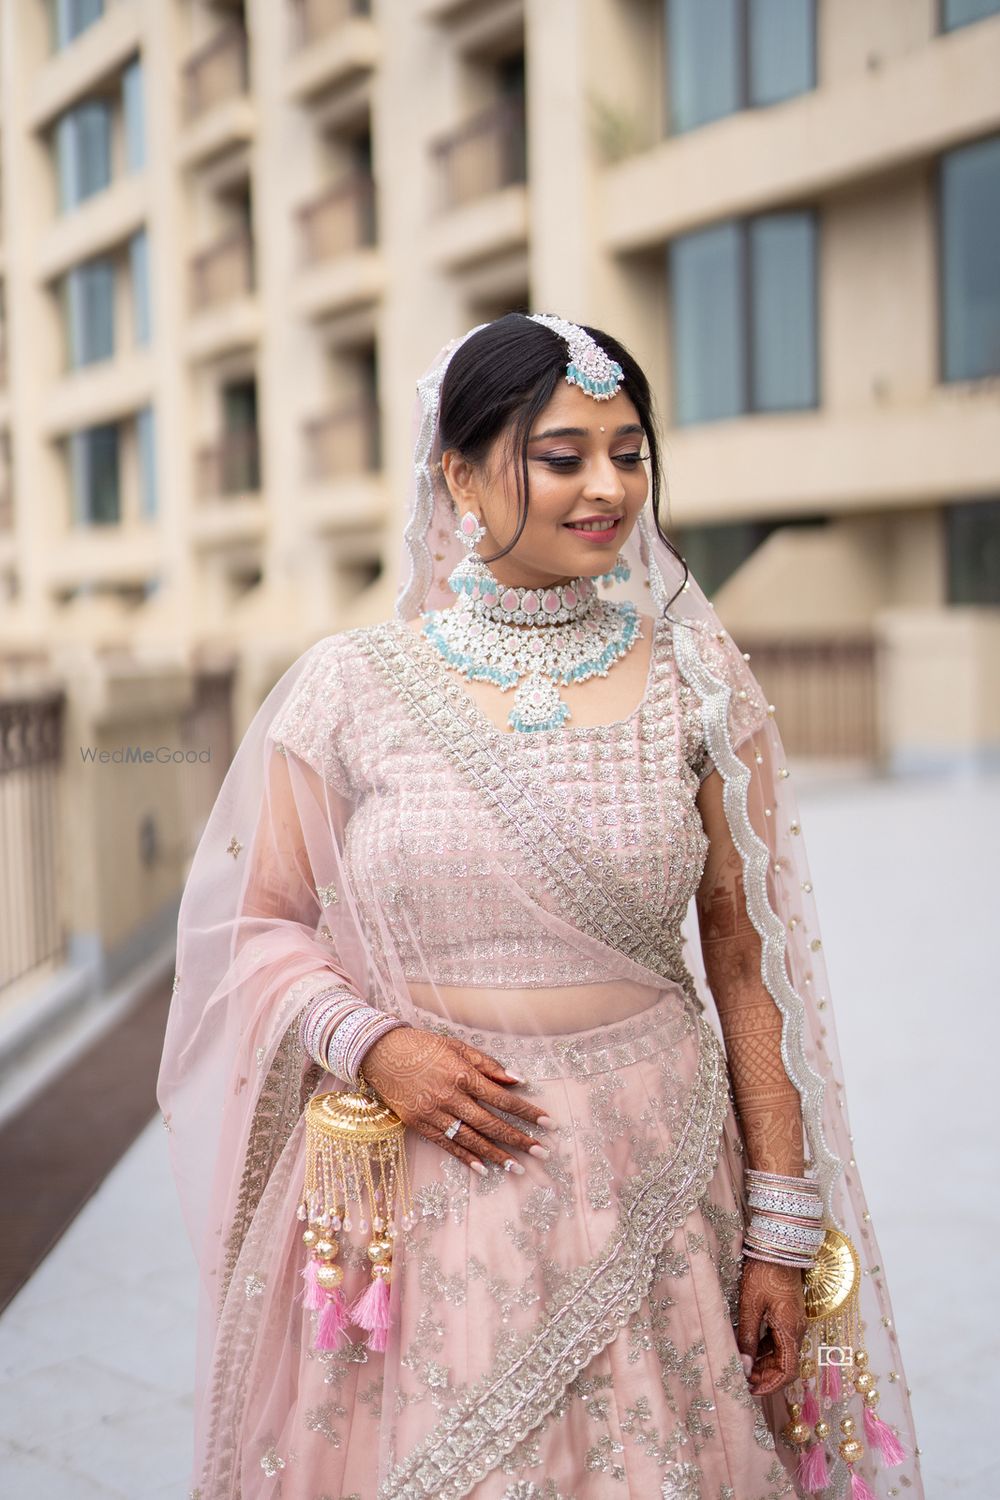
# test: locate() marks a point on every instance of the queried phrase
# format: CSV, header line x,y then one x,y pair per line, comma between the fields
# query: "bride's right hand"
x,y
430,1080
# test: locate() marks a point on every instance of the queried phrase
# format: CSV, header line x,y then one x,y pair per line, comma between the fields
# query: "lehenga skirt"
x,y
565,1334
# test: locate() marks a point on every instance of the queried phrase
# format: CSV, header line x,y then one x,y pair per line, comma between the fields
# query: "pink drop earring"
x,y
471,575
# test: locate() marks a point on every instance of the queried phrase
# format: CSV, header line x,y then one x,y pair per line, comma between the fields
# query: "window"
x,y
728,55
89,311
956,13
138,254
743,297
93,456
240,444
972,531
68,18
969,197
83,152
134,115
145,431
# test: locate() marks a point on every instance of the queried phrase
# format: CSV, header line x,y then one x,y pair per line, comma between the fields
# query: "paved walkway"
x,y
96,1351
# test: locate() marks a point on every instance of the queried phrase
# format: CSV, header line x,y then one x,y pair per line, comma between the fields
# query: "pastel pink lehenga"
x,y
566,1334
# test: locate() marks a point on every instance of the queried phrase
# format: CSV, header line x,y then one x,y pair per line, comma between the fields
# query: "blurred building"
x,y
234,233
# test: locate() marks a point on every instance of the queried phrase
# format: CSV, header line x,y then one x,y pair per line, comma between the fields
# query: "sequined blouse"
x,y
421,848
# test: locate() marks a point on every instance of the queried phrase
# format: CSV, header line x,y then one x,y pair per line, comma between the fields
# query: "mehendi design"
x,y
766,1099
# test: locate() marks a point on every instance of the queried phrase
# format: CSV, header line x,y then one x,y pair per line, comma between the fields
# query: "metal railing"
x,y
824,693
31,927
230,466
485,154
222,271
217,71
338,220
344,440
312,19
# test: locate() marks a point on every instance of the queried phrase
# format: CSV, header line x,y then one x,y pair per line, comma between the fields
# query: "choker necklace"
x,y
582,636
529,606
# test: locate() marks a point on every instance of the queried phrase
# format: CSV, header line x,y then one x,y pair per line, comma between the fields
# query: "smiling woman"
x,y
622,1184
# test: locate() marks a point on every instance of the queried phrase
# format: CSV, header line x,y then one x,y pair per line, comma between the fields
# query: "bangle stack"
x,y
786,1226
338,1029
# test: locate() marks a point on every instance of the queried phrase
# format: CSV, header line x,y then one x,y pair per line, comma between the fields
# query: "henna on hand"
x,y
429,1080
767,1102
772,1295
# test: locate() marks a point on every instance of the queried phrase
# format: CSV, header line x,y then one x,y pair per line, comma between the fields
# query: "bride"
x,y
617,1243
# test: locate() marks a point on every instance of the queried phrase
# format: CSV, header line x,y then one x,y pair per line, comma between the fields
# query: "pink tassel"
x,y
312,1297
810,1408
859,1490
332,1322
371,1311
813,1476
881,1437
829,1382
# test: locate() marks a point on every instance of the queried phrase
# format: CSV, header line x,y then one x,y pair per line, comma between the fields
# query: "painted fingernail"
x,y
541,1151
477,1166
747,1363
545,1121
515,1077
510,1165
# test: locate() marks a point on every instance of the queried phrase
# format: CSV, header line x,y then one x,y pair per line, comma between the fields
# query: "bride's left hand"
x,y
771,1294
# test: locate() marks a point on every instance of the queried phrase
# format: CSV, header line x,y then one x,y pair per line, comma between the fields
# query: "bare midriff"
x,y
541,1011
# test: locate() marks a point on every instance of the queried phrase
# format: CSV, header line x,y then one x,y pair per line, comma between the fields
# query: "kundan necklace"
x,y
534,640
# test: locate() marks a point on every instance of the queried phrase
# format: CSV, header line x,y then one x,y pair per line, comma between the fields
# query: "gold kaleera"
x,y
355,1155
832,1287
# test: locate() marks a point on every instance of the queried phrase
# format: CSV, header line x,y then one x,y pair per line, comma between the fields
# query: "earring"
x,y
620,571
471,575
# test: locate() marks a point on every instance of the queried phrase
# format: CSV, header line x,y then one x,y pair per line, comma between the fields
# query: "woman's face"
x,y
584,465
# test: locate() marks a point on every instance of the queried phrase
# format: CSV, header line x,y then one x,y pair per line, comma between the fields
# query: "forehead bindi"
x,y
573,414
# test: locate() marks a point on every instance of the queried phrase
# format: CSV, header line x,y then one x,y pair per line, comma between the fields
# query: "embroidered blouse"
x,y
630,784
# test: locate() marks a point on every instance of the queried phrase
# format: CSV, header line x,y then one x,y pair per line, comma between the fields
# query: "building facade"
x,y
233,234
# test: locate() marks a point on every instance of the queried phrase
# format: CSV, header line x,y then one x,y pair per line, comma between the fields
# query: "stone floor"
x,y
96,1350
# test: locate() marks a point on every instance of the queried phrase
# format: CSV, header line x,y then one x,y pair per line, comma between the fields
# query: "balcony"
x,y
223,271
483,155
229,507
228,467
223,303
341,266
345,489
482,169
343,441
339,220
217,110
334,41
314,19
218,71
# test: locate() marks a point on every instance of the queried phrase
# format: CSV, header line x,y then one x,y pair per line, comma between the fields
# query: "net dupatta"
x,y
743,743
277,907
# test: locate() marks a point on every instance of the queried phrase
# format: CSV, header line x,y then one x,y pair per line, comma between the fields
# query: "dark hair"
x,y
508,373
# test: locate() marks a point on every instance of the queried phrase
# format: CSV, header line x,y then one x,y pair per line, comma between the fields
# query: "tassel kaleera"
x,y
832,1356
355,1148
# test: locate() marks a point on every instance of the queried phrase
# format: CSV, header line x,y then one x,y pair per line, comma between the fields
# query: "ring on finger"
x,y
453,1129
